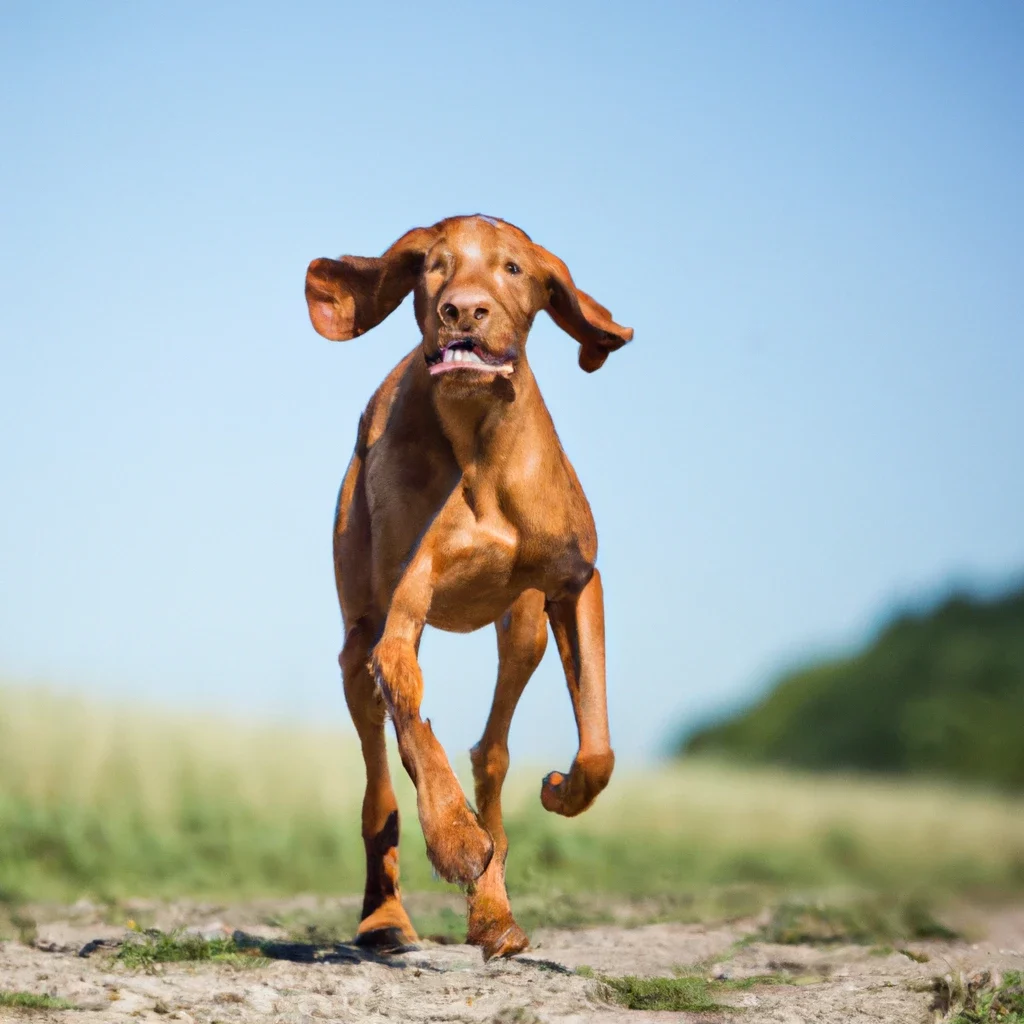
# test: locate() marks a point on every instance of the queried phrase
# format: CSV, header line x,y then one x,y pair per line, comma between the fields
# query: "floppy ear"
x,y
582,317
348,296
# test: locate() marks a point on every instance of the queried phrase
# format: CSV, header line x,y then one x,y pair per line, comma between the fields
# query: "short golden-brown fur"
x,y
460,509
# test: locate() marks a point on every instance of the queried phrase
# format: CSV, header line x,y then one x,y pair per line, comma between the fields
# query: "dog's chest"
x,y
475,556
483,560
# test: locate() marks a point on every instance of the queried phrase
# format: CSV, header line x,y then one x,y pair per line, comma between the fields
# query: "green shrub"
x,y
940,693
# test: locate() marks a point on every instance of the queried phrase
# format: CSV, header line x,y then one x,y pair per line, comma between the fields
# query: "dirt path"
x,y
557,981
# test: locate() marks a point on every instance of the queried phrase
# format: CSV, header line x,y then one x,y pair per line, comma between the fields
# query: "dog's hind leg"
x,y
578,626
522,638
384,920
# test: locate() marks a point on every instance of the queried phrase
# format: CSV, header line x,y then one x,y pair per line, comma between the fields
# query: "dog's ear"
x,y
348,296
580,316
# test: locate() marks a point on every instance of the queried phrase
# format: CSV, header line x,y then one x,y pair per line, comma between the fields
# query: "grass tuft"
x,y
685,992
153,947
870,921
31,1001
688,993
985,998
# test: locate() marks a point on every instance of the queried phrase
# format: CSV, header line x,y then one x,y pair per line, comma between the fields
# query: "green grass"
x,y
320,927
444,925
31,1001
331,925
693,994
112,804
686,992
144,950
990,999
867,920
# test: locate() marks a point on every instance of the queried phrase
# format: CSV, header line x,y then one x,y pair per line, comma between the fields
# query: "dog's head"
x,y
478,284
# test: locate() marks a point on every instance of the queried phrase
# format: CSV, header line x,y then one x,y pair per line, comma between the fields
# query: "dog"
x,y
459,508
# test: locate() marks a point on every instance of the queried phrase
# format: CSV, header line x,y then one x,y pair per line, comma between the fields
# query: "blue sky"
x,y
810,213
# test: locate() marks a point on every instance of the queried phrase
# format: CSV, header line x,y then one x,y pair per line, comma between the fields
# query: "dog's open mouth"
x,y
465,354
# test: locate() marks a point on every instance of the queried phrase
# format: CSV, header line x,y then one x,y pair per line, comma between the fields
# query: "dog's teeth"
x,y
449,356
472,357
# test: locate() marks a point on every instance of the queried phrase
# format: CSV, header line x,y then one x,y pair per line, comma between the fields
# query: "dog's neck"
x,y
481,428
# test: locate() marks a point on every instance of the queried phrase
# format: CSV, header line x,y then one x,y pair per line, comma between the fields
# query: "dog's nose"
x,y
462,309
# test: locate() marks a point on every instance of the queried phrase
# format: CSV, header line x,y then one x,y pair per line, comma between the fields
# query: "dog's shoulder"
x,y
375,417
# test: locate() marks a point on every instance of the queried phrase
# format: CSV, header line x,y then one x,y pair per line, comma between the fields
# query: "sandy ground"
x,y
437,982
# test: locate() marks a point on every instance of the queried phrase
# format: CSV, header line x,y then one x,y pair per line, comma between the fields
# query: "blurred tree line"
x,y
940,693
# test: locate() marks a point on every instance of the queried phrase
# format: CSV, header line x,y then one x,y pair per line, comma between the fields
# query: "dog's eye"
x,y
513,268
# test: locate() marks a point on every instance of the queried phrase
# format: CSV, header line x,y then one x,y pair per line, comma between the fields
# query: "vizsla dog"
x,y
459,508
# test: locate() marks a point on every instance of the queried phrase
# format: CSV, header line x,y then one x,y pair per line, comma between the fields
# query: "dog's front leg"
x,y
457,846
578,627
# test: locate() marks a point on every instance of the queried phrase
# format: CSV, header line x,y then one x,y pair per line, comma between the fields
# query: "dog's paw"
x,y
458,847
387,928
499,937
572,794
